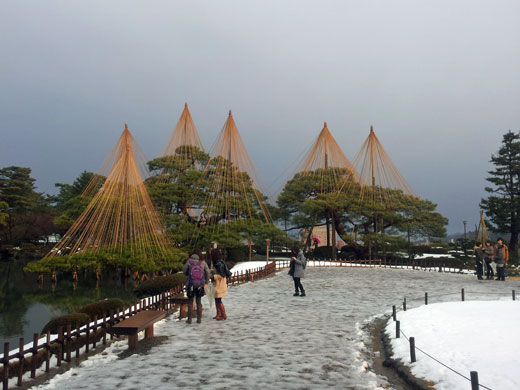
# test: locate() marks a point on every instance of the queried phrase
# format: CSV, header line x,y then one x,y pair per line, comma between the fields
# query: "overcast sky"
x,y
439,80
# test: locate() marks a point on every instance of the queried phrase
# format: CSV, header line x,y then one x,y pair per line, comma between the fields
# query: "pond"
x,y
26,306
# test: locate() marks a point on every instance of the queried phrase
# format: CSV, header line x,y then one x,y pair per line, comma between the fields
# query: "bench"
x,y
182,301
143,320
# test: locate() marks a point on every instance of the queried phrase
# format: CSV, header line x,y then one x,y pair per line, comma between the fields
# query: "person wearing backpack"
x,y
299,262
198,274
220,273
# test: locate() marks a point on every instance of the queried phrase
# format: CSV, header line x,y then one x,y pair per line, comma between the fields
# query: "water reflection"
x,y
27,304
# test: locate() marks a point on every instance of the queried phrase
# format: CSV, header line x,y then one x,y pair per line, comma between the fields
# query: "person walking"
x,y
298,264
198,275
479,259
489,254
220,273
501,258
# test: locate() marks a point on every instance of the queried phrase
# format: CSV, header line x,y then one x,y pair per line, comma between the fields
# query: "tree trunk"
x,y
513,243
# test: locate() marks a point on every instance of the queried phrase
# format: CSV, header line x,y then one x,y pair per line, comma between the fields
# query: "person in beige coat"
x,y
220,274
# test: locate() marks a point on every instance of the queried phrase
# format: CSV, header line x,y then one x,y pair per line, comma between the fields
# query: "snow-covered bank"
x,y
467,336
272,339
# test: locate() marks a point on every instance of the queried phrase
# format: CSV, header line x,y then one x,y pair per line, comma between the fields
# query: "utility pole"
x,y
465,237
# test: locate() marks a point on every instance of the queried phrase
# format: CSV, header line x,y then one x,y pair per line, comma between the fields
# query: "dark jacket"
x,y
221,268
479,255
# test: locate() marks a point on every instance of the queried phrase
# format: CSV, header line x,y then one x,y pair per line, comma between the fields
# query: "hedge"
x,y
73,318
159,285
102,307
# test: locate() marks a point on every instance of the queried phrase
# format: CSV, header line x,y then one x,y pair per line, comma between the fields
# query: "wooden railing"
x,y
334,263
75,340
428,264
71,339
252,274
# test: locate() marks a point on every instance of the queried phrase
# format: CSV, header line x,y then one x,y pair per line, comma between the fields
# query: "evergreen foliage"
x,y
502,206
159,285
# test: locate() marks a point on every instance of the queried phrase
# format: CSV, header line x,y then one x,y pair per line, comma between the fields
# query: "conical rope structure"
x,y
325,170
232,182
382,186
120,221
184,140
377,170
326,160
482,231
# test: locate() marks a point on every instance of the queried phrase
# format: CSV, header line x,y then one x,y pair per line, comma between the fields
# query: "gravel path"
x,y
274,340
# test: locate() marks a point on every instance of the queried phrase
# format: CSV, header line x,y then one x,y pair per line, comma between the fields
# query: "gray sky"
x,y
439,80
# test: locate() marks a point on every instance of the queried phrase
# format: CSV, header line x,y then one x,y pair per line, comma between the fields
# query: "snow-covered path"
x,y
272,339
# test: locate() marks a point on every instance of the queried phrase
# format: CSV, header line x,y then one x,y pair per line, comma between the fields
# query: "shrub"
x,y
73,318
159,285
102,307
28,247
322,252
238,254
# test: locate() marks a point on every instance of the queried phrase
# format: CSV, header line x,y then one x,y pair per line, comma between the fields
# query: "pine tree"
x,y
503,204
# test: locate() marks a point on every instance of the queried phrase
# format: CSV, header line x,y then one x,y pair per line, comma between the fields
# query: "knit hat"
x,y
194,257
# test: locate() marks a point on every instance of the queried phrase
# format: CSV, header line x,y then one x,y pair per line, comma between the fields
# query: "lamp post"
x,y
268,242
465,237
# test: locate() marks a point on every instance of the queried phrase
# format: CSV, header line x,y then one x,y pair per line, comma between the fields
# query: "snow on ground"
x,y
247,265
272,339
466,336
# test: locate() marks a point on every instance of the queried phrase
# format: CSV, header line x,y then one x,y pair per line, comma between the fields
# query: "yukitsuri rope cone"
x,y
323,171
184,141
233,194
382,186
482,232
377,170
327,163
119,226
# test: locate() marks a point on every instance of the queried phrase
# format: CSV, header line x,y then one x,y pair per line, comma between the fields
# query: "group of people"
x,y
200,275
491,259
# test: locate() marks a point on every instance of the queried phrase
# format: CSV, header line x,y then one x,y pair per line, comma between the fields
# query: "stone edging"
x,y
398,365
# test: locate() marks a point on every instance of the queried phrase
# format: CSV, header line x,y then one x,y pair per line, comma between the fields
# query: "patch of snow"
x,y
466,336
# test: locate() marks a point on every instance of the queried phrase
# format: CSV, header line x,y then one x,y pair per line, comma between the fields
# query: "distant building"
x,y
319,236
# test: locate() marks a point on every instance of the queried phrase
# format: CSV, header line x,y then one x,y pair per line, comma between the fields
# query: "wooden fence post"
x,y
394,314
111,322
20,363
94,330
78,337
48,352
87,342
425,298
514,295
34,352
60,346
105,326
5,362
412,349
474,380
462,295
397,329
404,304
69,342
